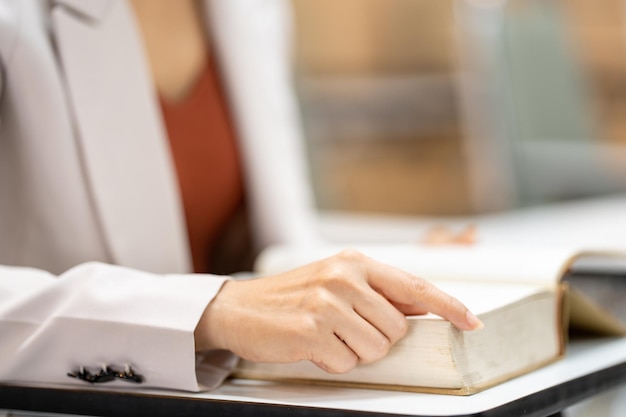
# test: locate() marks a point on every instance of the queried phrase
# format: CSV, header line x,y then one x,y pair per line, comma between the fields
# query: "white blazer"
x,y
87,182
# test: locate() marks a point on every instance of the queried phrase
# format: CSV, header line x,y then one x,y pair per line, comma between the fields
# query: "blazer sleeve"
x,y
97,315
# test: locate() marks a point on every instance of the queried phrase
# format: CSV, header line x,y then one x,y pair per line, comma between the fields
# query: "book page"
x,y
589,317
484,297
543,266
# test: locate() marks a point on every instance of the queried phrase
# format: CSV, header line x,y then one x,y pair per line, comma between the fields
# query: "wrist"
x,y
209,331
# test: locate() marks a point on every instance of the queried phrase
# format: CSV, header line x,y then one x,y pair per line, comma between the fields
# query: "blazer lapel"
x,y
253,41
120,133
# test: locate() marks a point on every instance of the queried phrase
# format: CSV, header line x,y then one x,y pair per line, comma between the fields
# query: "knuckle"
x,y
425,293
378,350
341,272
403,326
343,366
383,348
307,326
418,285
318,302
337,278
400,329
350,255
420,288
332,270
334,278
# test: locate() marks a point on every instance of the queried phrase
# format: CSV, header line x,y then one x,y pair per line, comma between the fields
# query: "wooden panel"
x,y
373,35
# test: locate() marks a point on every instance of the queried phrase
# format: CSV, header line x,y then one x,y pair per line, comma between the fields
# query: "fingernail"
x,y
473,321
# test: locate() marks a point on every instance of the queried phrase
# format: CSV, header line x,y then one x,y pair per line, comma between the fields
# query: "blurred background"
x,y
455,107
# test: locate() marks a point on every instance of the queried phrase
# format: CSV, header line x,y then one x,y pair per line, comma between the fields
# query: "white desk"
x,y
589,368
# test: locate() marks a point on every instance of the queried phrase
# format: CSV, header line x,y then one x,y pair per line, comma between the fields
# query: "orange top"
x,y
204,149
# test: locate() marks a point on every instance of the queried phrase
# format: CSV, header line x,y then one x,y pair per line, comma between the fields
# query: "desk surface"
x,y
590,367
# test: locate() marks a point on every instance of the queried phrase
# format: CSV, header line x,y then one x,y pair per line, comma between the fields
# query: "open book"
x,y
526,297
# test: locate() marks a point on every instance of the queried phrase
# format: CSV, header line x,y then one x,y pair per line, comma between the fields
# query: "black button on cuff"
x,y
106,374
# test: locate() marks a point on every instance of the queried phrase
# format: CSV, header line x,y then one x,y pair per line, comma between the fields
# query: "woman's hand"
x,y
337,312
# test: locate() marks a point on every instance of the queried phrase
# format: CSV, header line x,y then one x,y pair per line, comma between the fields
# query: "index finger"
x,y
402,287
